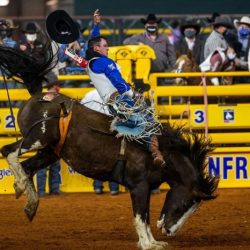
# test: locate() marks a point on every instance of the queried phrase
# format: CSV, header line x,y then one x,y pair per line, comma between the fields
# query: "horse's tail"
x,y
29,68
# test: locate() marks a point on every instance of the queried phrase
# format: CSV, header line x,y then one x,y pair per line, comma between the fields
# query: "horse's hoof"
x,y
153,246
30,210
160,243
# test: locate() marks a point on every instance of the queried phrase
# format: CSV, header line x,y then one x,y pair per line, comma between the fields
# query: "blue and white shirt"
x,y
106,77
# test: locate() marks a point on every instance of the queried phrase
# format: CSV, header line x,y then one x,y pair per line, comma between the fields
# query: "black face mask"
x,y
190,33
151,29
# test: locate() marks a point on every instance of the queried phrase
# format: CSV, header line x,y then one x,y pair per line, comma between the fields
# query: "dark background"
x,y
143,7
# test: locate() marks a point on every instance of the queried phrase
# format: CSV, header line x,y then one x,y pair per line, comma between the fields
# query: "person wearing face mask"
x,y
190,41
216,39
164,50
30,43
241,45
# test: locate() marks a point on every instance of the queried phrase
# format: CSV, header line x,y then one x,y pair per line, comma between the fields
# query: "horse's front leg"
x,y
140,196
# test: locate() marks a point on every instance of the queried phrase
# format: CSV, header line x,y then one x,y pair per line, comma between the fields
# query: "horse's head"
x,y
188,180
185,63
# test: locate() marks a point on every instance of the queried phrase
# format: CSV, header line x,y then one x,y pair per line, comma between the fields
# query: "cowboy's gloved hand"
x,y
97,17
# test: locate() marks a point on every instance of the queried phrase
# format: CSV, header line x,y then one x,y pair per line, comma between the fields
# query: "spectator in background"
x,y
93,101
216,39
175,33
243,40
30,43
7,29
53,86
190,41
6,33
241,44
164,50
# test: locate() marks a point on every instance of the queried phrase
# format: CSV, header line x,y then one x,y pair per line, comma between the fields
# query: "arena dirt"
x,y
87,221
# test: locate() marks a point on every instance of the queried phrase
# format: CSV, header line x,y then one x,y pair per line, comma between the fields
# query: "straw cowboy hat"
x,y
61,27
190,23
243,20
224,21
151,18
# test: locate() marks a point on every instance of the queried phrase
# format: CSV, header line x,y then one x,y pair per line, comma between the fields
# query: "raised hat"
x,y
61,27
151,18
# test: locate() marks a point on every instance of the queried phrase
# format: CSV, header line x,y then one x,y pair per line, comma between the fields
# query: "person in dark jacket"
x,y
164,50
190,41
31,43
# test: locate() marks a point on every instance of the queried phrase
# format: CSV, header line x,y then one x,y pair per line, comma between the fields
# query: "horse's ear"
x,y
190,55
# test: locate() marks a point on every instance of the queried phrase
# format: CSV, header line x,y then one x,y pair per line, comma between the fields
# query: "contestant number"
x,y
199,116
9,121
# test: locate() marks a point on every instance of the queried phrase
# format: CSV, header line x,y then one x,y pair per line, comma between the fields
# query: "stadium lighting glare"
x,y
4,2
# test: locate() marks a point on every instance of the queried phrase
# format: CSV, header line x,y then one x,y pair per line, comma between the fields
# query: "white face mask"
x,y
231,55
31,37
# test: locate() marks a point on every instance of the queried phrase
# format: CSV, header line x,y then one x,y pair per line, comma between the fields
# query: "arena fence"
x,y
227,124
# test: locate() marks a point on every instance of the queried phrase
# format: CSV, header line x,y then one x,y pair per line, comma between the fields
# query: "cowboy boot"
x,y
156,153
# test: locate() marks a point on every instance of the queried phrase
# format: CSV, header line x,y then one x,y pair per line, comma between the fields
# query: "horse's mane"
x,y
30,69
196,148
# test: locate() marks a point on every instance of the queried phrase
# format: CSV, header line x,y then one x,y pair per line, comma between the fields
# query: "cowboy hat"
x,y
61,27
190,23
151,18
243,20
31,28
224,21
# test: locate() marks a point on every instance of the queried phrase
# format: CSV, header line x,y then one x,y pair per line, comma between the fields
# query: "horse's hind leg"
x,y
23,179
42,159
11,152
140,196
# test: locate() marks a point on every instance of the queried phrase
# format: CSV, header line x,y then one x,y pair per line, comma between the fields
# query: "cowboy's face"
x,y
151,27
221,29
243,26
102,48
